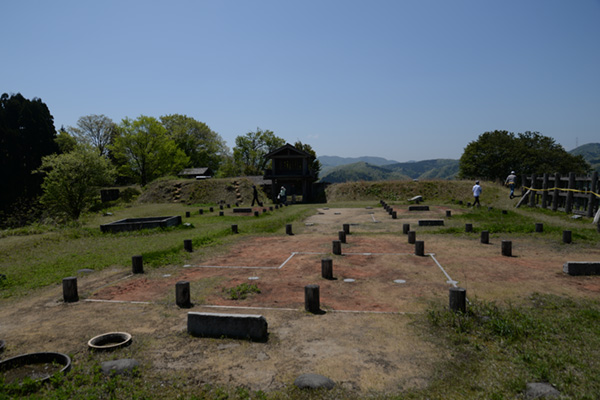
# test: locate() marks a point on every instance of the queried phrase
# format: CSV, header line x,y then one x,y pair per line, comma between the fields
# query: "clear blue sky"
x,y
404,80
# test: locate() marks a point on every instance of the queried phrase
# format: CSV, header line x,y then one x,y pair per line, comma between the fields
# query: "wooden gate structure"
x,y
569,193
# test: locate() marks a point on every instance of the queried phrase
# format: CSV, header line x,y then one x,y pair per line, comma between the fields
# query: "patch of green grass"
x,y
497,349
241,291
36,260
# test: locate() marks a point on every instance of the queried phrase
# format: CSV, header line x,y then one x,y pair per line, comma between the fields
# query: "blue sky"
x,y
404,80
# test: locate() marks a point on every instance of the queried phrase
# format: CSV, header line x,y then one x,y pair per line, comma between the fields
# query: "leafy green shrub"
x,y
241,291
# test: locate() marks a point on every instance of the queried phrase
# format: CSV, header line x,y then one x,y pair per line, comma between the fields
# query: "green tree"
x,y
204,147
250,150
73,181
27,134
495,154
96,130
66,143
144,152
315,165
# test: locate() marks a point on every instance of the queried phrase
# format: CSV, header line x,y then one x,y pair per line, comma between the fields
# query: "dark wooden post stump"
x,y
419,248
221,207
394,215
270,208
187,214
187,245
70,290
346,228
137,265
485,237
182,294
200,211
566,237
342,236
327,268
228,205
504,212
412,237
256,213
311,299
539,227
468,227
458,299
234,228
448,213
221,214
288,229
405,228
337,247
211,209
507,248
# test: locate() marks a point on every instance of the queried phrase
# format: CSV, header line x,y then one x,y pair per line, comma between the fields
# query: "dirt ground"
x,y
364,340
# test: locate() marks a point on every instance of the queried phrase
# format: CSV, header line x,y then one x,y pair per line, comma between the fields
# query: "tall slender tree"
x,y
27,134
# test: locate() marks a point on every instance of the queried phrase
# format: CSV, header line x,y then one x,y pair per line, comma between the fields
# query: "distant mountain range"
x,y
347,169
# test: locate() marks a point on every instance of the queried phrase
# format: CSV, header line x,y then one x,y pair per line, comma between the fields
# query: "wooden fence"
x,y
570,193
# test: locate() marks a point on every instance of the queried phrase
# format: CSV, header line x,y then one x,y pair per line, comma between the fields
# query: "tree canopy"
x,y
315,164
73,180
204,147
495,154
144,152
96,130
250,150
27,134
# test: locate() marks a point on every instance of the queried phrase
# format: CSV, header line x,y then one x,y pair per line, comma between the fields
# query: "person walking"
x,y
255,196
510,182
476,193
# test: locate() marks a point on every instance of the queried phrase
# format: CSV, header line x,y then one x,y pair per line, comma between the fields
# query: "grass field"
x,y
489,352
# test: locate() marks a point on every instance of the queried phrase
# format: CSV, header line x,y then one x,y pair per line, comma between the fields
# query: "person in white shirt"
x,y
476,193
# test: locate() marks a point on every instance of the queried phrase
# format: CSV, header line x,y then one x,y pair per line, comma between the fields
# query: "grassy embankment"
x,y
492,351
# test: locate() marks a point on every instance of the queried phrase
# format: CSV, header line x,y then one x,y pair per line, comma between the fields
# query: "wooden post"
x,y
448,213
566,238
337,247
556,193
234,229
507,248
419,248
485,237
592,199
182,294
187,245
221,213
539,227
412,237
288,229
327,268
346,228
394,215
458,299
545,191
532,194
405,228
569,204
70,290
342,236
312,299
137,265
200,211
468,227
187,214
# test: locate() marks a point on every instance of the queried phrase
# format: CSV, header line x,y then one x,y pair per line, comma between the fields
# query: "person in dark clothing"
x,y
255,196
